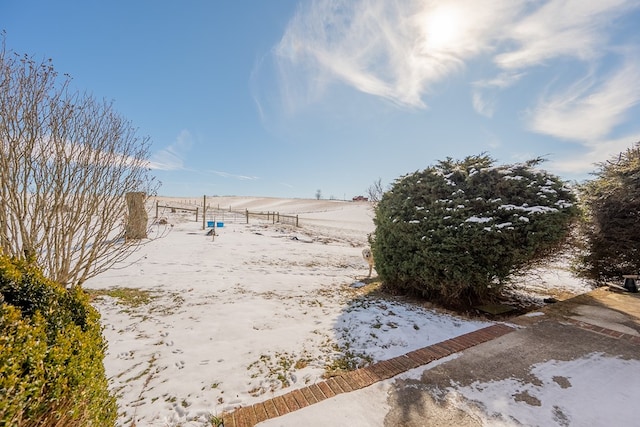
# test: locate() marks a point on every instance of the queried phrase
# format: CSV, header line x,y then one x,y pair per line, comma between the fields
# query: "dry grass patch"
x,y
129,297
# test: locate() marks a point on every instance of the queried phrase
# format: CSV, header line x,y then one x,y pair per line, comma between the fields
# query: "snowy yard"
x,y
255,312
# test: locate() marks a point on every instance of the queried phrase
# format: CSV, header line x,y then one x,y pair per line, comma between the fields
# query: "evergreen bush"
x,y
455,232
611,204
51,353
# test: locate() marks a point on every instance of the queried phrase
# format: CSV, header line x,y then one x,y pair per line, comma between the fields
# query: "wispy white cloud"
x,y
482,104
596,152
568,28
401,51
394,50
234,176
172,157
590,108
484,93
501,81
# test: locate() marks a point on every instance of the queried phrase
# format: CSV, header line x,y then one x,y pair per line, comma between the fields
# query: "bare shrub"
x,y
376,191
66,162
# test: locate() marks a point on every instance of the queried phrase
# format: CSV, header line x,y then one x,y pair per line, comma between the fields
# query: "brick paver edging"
x,y
634,339
248,416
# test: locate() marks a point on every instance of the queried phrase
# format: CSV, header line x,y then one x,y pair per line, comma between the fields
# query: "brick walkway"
x,y
634,339
249,416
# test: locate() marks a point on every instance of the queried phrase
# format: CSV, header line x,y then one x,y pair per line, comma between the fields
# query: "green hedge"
x,y
455,232
51,353
611,206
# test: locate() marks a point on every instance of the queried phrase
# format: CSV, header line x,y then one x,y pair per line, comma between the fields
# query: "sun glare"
x,y
442,28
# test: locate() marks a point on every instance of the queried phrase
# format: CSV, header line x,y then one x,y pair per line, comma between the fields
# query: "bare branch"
x,y
375,191
67,161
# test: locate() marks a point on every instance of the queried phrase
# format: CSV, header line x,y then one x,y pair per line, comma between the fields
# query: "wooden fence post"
x,y
247,211
136,226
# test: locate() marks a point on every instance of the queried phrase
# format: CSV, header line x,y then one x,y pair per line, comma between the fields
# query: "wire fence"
x,y
273,217
215,216
174,209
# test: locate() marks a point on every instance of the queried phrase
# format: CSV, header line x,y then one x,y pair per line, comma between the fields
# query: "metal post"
x,y
204,211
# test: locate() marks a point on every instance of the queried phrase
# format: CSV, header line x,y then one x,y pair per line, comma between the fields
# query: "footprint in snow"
x,y
126,355
181,412
180,364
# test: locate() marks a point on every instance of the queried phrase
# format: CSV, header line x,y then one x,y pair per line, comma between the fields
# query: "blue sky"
x,y
284,98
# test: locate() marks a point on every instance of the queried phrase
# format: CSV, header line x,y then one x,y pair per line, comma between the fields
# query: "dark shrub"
x,y
611,205
455,232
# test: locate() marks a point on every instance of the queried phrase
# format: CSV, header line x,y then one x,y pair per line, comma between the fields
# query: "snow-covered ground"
x,y
258,310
